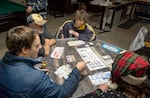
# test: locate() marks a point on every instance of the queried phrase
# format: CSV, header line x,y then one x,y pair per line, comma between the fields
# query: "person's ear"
x,y
31,25
24,50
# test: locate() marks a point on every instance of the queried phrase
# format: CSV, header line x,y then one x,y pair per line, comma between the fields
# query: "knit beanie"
x,y
130,67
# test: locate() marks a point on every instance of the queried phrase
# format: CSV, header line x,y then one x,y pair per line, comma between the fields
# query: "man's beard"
x,y
40,31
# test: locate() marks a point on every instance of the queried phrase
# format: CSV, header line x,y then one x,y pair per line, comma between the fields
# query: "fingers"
x,y
52,42
45,70
81,65
103,87
71,31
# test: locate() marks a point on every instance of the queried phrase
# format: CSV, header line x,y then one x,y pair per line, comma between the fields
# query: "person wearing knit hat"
x,y
127,78
130,67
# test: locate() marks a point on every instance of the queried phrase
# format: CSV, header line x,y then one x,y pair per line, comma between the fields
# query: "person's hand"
x,y
52,42
76,34
45,70
46,47
29,9
62,36
81,65
71,31
104,87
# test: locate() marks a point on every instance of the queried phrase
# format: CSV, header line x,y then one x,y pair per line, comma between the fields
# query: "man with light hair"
x,y
77,27
19,78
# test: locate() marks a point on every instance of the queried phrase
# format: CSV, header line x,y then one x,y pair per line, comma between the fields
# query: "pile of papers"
x,y
100,77
90,55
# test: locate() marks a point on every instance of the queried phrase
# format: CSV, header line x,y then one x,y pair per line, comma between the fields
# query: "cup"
x,y
44,65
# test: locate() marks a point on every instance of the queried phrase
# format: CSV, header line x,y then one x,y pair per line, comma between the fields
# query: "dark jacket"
x,y
43,36
19,79
88,34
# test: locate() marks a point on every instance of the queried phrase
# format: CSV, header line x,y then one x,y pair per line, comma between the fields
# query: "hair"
x,y
31,23
134,91
81,15
19,37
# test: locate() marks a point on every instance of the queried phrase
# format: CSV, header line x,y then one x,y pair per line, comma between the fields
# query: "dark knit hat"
x,y
130,67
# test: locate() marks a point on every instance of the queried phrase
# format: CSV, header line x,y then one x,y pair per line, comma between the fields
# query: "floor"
x,y
118,36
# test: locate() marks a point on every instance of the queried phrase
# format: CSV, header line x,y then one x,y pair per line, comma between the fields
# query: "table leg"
x,y
112,19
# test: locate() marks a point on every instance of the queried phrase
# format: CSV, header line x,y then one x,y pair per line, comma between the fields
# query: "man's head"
x,y
36,22
23,41
129,67
80,18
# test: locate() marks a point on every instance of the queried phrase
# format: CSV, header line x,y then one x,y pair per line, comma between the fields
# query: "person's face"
x,y
36,45
79,22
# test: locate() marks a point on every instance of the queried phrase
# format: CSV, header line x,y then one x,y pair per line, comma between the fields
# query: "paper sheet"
x,y
57,52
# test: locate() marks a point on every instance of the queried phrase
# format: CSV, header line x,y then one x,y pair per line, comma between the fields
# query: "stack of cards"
x,y
70,58
108,59
76,43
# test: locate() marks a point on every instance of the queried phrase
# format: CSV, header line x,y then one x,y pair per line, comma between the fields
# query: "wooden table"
x,y
85,85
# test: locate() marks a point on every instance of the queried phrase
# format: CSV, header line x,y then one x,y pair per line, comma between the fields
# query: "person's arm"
x,y
63,31
40,6
47,88
52,42
74,33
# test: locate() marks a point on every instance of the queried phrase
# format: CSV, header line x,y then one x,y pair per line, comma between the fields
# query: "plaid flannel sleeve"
x,y
38,5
